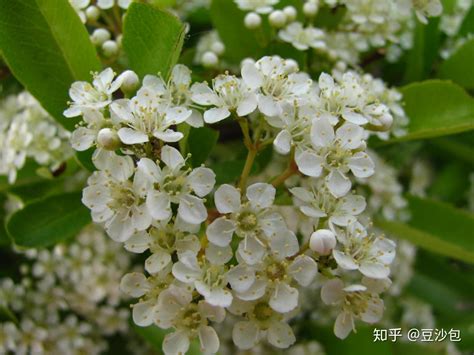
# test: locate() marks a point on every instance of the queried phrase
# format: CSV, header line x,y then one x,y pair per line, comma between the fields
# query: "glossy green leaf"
x,y
200,142
49,220
437,227
458,67
152,39
436,108
47,48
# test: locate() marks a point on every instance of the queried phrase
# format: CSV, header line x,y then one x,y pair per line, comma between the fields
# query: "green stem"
x,y
252,153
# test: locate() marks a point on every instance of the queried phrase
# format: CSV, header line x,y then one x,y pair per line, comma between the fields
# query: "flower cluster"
x,y
28,131
238,256
68,299
364,24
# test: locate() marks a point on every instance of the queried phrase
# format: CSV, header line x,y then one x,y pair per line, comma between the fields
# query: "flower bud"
x,y
108,139
310,9
252,20
130,81
92,13
277,19
218,48
99,36
246,61
290,13
322,241
291,66
209,59
110,48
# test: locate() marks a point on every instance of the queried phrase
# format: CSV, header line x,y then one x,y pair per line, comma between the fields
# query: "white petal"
x,y
284,244
247,105
131,136
354,117
303,269
350,135
227,199
361,165
254,292
332,291
251,76
158,204
218,255
218,297
208,339
220,231
268,106
139,242
157,261
141,218
281,335
241,277
168,136
325,81
171,157
322,132
343,325
374,311
245,335
261,195
284,298
344,261
309,163
251,251
176,343
216,114
134,284
192,210
374,270
338,184
144,313
82,138
282,142
202,181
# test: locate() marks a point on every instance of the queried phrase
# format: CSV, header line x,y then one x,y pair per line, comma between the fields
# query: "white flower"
x,y
317,202
174,184
189,320
228,93
276,274
145,116
302,38
261,322
271,75
260,6
208,275
357,250
336,153
96,96
252,220
115,200
427,8
163,239
322,241
294,124
148,289
356,301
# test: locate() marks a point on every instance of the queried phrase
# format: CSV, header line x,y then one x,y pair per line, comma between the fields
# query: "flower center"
x,y
262,312
247,221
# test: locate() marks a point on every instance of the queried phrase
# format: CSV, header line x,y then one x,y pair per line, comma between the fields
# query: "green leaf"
x,y
458,67
47,48
49,220
201,141
152,39
438,227
436,108
34,190
421,56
